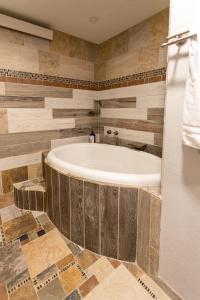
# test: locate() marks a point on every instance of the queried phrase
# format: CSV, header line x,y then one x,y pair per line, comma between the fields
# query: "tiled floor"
x,y
36,262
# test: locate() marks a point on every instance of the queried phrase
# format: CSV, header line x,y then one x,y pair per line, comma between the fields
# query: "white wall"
x,y
180,222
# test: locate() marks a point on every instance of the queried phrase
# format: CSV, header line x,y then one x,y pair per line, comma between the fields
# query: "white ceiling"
x,y
71,16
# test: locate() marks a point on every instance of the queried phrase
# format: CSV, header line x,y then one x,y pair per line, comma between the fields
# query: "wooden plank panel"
x,y
73,113
49,206
77,228
26,200
21,102
127,223
40,200
31,90
155,114
158,139
118,103
91,213
15,126
85,122
56,197
143,230
109,220
32,199
20,149
65,205
20,202
140,125
30,137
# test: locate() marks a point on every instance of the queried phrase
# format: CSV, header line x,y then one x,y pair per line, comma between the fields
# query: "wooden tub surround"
x,y
114,221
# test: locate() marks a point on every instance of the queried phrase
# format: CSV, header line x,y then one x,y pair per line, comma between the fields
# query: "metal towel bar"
x,y
178,38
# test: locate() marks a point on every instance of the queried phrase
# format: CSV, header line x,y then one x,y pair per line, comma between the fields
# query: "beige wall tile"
x,y
49,63
139,36
20,58
68,45
3,121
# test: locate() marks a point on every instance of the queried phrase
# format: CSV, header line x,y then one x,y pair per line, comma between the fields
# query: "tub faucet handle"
x,y
109,131
115,133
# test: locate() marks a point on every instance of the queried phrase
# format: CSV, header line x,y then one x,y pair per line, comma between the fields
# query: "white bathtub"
x,y
107,164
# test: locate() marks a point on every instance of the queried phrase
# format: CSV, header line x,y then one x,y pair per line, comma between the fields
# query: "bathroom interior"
x,y
99,150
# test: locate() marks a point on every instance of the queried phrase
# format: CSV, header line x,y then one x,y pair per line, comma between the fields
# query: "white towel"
x,y
191,112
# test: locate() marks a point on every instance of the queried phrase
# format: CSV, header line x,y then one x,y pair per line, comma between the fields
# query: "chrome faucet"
x,y
116,133
109,131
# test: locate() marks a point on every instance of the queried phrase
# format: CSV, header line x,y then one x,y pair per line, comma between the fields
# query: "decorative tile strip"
x,y
7,75
147,289
18,285
40,285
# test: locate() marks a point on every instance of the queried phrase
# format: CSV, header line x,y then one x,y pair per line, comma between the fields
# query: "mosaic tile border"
x,y
7,75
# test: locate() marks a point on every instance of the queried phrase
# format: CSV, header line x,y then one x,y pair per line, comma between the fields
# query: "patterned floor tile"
x,y
25,292
88,286
76,250
115,263
65,261
46,276
9,213
15,228
71,278
52,291
135,270
18,280
152,288
74,296
101,268
12,261
86,258
6,200
44,251
3,292
120,284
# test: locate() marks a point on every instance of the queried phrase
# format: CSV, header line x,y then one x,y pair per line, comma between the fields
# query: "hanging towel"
x,y
191,112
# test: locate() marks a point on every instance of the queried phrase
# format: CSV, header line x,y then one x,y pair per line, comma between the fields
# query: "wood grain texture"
x,y
65,205
32,199
140,125
143,230
40,200
77,228
85,122
21,102
109,220
118,103
26,200
13,176
56,197
31,90
49,206
73,113
127,224
28,137
91,213
20,149
155,114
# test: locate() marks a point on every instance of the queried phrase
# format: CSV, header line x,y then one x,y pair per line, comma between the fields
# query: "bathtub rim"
x,y
86,174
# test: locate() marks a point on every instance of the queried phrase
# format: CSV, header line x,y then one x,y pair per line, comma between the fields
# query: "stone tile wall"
x,y
135,50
